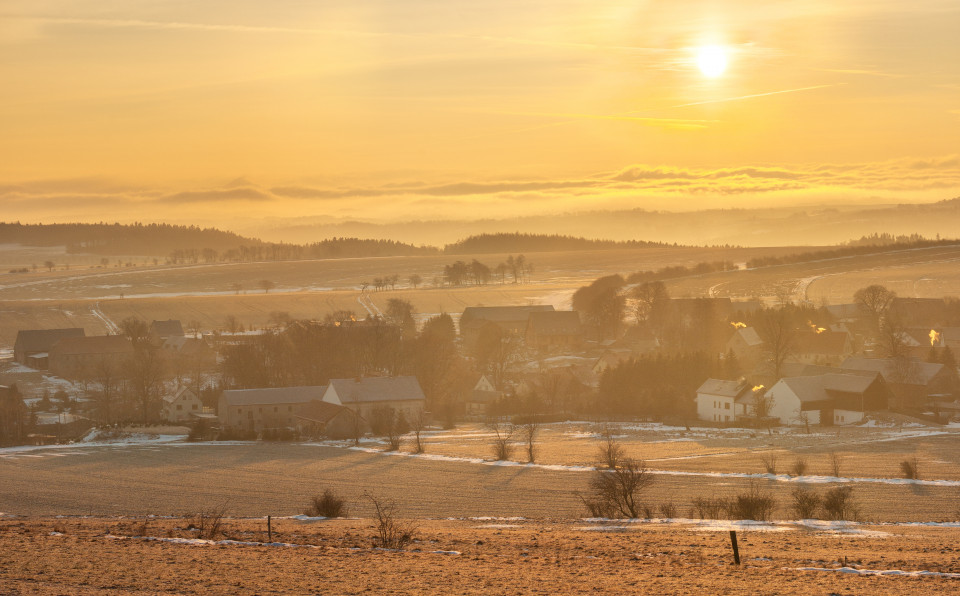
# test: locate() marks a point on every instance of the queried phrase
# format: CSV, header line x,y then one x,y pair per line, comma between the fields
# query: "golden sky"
x,y
216,110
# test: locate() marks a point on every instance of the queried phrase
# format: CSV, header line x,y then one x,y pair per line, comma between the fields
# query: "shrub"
x,y
668,510
503,433
610,452
707,508
799,467
615,493
910,468
836,461
328,504
838,504
805,502
754,504
208,522
769,462
392,532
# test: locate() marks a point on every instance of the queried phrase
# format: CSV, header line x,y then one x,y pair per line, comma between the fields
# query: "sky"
x,y
223,111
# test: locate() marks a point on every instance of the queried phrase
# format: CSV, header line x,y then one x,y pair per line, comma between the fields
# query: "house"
x,y
260,409
37,342
180,406
84,357
554,331
510,319
720,401
920,312
162,330
845,313
189,353
911,382
483,395
320,418
364,395
747,345
822,347
832,399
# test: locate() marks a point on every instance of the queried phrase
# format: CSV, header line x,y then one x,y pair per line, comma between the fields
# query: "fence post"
x,y
270,533
736,551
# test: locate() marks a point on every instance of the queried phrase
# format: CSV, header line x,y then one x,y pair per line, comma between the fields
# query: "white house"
x,y
181,406
723,401
833,399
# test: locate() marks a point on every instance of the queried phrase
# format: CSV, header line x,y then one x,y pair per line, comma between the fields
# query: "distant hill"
x,y
182,244
517,242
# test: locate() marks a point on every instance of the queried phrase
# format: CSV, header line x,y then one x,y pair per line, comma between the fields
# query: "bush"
x,y
753,504
391,531
836,461
769,462
799,467
329,504
910,468
610,452
707,508
208,522
503,434
805,502
615,493
838,504
668,510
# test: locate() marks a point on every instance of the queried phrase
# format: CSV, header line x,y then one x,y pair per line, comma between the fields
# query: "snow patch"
x,y
882,572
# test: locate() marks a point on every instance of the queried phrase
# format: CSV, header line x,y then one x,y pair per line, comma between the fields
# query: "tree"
x,y
415,280
529,429
193,328
776,329
145,372
650,300
502,437
495,351
49,265
602,304
135,329
874,301
266,285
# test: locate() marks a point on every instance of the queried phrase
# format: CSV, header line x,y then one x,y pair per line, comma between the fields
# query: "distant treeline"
x,y
873,244
122,239
519,242
674,271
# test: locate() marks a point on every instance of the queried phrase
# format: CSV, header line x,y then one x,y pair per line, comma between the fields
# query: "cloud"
x,y
218,195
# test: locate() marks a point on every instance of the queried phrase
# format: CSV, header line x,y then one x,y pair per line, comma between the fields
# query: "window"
x,y
726,405
193,407
726,419
179,406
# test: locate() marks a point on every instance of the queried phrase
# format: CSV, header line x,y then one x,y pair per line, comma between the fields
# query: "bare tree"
x,y
503,435
415,280
616,493
266,285
417,426
236,287
193,328
529,429
874,301
779,335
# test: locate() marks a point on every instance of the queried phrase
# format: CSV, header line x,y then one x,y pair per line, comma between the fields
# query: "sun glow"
x,y
712,60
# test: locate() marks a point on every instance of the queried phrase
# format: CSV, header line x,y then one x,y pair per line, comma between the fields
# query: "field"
x,y
111,518
97,298
98,557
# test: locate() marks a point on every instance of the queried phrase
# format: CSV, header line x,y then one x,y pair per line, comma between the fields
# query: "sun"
x,y
712,60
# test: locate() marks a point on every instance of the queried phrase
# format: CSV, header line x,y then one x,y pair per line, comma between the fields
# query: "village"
x,y
626,352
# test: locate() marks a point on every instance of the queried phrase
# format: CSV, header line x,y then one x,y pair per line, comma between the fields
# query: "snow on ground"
x,y
134,439
882,572
846,528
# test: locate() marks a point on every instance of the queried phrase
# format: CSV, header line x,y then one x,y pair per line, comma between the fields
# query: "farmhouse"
x,y
911,382
822,347
833,399
553,331
180,406
483,395
510,319
747,345
367,394
330,420
260,409
33,345
83,357
162,330
723,401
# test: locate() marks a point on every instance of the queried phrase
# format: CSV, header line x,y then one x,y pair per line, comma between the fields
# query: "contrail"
x,y
700,103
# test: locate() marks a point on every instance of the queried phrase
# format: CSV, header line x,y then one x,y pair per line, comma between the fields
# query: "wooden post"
x,y
736,551
270,533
